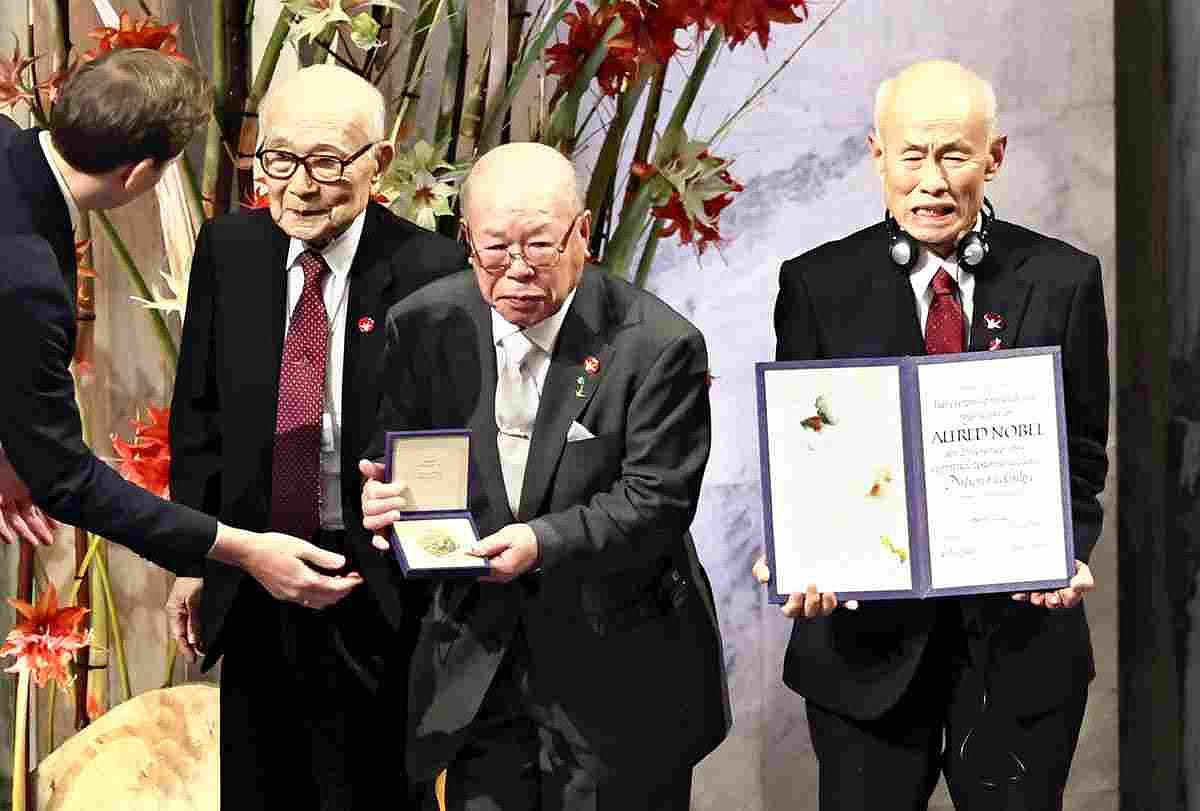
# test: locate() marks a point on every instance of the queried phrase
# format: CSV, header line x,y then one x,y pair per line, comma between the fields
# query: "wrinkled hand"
x,y
807,604
20,518
511,552
182,608
1189,465
1072,595
382,503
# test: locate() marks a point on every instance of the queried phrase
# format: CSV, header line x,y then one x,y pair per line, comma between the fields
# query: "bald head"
x,y
935,87
527,229
330,91
526,174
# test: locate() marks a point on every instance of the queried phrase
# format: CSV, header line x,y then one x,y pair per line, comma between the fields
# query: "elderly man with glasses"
x,y
585,671
275,400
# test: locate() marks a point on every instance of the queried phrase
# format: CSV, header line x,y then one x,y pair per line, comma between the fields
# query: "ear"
x,y
585,226
384,153
138,178
875,149
996,156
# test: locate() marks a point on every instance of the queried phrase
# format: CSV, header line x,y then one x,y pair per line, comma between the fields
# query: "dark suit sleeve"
x,y
195,429
652,504
795,327
400,404
1086,389
40,428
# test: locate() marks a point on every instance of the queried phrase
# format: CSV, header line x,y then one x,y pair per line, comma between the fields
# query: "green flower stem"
x,y
99,616
83,568
641,152
51,703
418,55
172,655
115,624
20,777
648,252
270,59
219,74
629,231
191,188
490,133
561,133
170,353
606,162
672,137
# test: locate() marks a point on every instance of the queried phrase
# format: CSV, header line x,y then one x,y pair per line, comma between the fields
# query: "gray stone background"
x,y
802,157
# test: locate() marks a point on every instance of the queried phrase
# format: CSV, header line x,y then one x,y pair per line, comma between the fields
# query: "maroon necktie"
x,y
945,326
296,461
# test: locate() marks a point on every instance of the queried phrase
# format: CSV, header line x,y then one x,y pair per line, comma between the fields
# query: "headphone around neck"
x,y
971,251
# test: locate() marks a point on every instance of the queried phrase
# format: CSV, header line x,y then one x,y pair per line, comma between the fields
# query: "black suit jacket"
x,y
226,389
619,621
39,422
847,299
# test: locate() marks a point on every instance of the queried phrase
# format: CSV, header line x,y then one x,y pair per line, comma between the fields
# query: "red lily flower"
x,y
584,31
45,641
55,81
256,199
745,18
81,248
145,33
12,86
147,460
690,229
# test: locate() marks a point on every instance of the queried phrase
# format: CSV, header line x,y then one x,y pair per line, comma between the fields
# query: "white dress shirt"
x,y
543,335
339,255
72,206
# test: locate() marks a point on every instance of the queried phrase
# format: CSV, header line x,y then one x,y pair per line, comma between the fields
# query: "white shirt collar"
x,y
48,150
544,334
338,254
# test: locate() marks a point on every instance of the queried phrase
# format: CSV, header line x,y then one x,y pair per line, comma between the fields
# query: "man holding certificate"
x,y
989,689
584,670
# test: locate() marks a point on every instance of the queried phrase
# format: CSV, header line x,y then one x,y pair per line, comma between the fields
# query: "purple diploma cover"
x,y
916,477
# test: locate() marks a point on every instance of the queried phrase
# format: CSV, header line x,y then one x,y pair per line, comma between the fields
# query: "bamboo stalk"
x,y
248,131
219,74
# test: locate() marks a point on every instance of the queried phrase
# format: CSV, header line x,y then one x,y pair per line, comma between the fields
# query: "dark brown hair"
x,y
126,106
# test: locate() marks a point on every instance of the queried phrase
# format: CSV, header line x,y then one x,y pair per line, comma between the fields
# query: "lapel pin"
x,y
366,324
993,321
995,344
580,381
591,365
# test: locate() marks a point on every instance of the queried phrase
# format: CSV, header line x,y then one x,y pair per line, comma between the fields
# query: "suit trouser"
x,y
306,725
992,760
522,756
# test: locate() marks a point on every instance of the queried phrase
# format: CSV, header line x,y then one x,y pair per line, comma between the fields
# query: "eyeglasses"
x,y
281,164
538,255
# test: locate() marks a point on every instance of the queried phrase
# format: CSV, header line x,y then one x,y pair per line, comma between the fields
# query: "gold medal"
x,y
437,543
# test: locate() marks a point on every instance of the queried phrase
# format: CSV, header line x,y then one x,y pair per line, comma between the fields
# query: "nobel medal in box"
x,y
436,530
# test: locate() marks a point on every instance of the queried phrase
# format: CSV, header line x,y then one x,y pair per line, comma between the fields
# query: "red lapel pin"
x,y
993,321
366,324
995,344
591,365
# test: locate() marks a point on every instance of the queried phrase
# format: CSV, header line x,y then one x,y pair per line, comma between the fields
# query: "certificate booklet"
x,y
432,538
916,477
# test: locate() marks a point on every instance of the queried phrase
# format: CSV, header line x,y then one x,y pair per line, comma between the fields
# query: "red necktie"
x,y
945,326
296,461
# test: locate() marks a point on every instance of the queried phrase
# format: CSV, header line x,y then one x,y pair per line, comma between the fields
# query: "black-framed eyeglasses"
x,y
281,164
537,255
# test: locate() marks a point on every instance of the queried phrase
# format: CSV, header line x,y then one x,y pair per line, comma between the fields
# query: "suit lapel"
x,y
568,388
259,317
1001,298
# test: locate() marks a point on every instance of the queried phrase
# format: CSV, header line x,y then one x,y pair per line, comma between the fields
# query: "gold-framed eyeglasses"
x,y
281,164
538,254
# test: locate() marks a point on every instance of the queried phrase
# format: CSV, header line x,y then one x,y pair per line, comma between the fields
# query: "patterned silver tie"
x,y
516,410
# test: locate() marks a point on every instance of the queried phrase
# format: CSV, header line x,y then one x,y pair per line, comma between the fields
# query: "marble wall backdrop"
x,y
808,179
